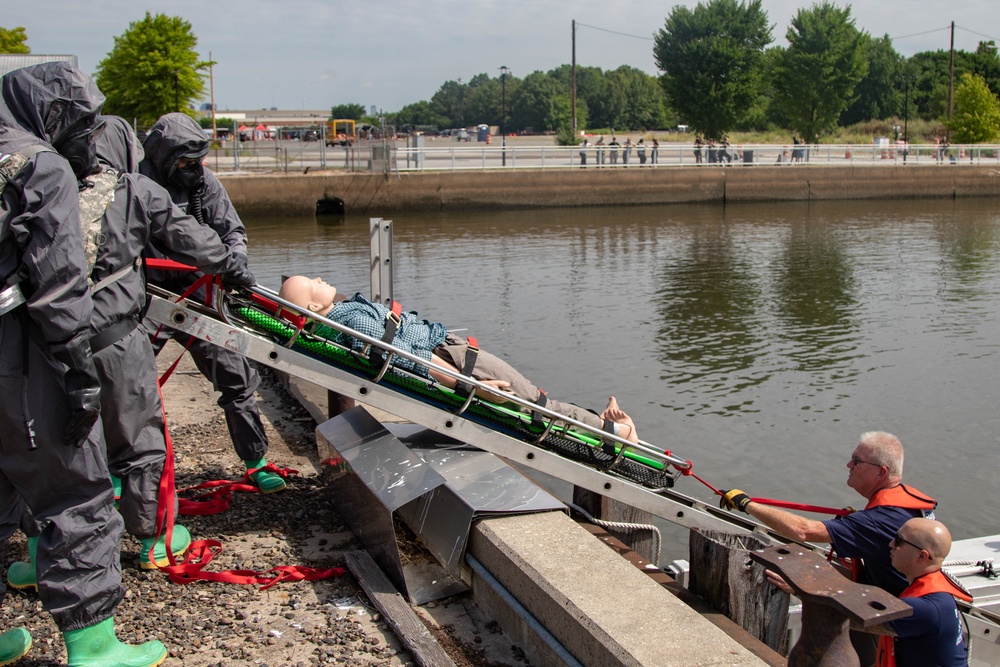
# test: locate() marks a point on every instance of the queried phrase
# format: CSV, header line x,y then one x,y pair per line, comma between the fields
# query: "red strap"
x,y
167,265
802,507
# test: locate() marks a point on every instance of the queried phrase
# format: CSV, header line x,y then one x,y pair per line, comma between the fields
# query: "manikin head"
x,y
313,294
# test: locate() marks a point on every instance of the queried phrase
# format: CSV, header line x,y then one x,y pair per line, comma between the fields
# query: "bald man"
x,y
432,342
933,634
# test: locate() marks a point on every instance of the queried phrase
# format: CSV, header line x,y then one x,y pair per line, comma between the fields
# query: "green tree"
x,y
352,111
711,58
635,99
815,77
536,105
152,69
449,102
14,40
880,92
976,117
419,113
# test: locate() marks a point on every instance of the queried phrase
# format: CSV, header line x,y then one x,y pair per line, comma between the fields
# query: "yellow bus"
x,y
341,132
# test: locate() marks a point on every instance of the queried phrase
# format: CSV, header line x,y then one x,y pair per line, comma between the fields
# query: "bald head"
x,y
311,294
931,535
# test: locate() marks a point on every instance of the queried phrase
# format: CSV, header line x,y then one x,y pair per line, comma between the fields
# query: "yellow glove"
x,y
734,499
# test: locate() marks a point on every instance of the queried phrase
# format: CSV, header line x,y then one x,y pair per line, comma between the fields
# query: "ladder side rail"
x,y
667,504
642,447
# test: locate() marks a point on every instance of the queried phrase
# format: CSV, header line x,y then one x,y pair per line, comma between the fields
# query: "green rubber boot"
x,y
179,543
266,481
117,483
14,645
21,575
97,646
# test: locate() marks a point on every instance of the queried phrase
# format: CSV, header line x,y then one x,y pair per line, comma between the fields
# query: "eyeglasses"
x,y
855,460
899,540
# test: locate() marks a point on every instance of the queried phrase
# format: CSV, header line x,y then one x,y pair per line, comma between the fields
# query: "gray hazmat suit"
x,y
173,136
66,487
140,212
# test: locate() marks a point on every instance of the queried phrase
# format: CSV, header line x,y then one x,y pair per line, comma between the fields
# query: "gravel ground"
x,y
328,622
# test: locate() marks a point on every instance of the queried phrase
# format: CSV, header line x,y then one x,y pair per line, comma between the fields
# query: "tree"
x,y
635,99
976,116
536,106
352,111
815,77
449,102
152,69
13,40
419,113
711,58
880,92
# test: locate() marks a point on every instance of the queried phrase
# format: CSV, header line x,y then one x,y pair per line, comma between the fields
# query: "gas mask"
x,y
188,174
79,146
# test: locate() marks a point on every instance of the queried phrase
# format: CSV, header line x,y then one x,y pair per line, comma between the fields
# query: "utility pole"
x,y
211,85
503,113
573,95
951,70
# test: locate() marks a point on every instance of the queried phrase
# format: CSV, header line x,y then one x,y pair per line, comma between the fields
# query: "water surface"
x,y
759,341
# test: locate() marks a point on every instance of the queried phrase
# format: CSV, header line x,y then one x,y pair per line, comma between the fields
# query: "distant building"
x,y
12,61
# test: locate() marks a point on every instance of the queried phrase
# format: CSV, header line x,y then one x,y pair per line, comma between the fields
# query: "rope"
x,y
625,528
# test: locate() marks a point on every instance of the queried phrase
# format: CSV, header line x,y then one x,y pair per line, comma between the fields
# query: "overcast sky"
x,y
312,54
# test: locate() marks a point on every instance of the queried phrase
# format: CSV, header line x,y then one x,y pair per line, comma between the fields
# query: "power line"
x,y
995,39
614,32
917,34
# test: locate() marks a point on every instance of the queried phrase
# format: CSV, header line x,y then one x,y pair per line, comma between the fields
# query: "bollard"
x,y
830,602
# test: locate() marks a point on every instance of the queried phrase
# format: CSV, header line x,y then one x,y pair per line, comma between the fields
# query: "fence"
x,y
390,156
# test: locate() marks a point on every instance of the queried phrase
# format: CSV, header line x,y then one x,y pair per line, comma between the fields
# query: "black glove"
x,y
734,499
238,274
83,391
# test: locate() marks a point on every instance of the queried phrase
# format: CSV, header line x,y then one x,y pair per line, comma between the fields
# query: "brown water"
x,y
758,341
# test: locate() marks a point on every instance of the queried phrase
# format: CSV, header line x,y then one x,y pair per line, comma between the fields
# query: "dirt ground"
x,y
203,624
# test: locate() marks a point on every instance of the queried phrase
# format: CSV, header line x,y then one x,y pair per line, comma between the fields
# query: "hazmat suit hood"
x,y
118,147
173,136
50,100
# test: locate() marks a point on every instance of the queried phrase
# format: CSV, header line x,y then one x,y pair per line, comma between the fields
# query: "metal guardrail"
x,y
392,156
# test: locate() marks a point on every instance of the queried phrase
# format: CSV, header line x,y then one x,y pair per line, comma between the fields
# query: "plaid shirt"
x,y
416,336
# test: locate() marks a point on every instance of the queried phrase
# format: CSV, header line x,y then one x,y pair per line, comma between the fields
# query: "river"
x,y
758,341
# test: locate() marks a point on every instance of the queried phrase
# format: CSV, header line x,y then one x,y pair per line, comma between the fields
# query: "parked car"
x,y
462,135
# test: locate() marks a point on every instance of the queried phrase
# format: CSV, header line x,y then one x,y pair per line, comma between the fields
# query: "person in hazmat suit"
x,y
52,452
120,213
175,148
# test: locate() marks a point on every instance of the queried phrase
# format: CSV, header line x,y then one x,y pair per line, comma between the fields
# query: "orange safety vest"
x,y
935,582
901,496
896,496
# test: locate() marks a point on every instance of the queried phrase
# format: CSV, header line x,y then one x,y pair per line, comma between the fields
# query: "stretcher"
x,y
261,326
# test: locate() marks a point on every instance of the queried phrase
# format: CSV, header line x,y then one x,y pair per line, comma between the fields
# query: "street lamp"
x,y
503,113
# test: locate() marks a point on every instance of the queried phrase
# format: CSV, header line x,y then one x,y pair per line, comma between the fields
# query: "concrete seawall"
x,y
362,193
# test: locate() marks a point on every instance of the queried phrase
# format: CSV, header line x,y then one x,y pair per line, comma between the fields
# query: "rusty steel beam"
x,y
830,603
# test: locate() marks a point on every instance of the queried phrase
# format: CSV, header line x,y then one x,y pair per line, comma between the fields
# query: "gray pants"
x,y
232,376
133,427
491,367
66,488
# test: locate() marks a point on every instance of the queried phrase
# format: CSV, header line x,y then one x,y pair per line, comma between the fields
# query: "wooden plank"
x,y
401,618
723,573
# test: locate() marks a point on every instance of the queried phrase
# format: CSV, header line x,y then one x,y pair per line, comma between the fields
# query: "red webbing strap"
x,y
217,500
769,501
203,280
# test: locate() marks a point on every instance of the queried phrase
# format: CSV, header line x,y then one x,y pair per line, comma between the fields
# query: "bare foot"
x,y
618,416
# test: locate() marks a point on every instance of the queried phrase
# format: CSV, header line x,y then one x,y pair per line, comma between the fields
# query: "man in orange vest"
x,y
875,470
933,634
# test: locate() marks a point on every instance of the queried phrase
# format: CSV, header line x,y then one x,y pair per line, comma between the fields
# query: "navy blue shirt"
x,y
932,635
866,534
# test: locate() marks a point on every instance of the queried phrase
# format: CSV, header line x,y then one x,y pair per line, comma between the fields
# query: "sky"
x,y
314,54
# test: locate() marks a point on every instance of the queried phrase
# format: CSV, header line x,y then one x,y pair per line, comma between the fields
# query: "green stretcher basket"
x,y
579,446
